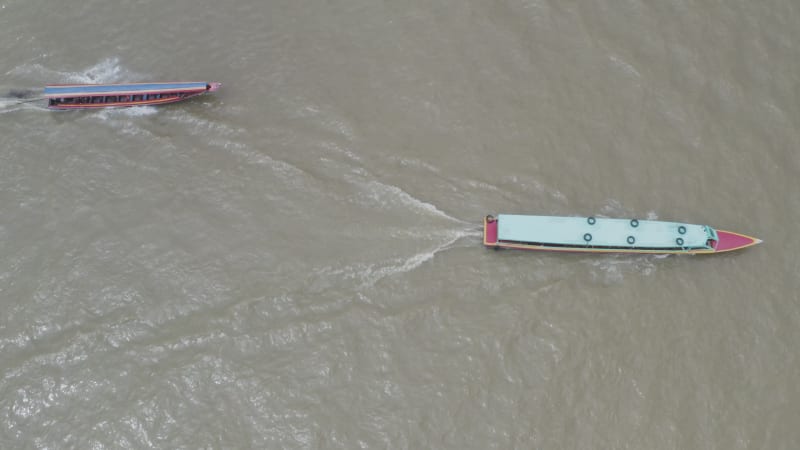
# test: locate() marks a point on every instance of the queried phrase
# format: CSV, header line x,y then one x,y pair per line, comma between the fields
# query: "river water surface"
x,y
295,261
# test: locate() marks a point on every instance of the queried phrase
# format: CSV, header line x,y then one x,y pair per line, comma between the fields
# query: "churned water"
x,y
295,261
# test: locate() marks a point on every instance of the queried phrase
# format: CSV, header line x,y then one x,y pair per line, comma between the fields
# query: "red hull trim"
x,y
161,101
489,231
729,241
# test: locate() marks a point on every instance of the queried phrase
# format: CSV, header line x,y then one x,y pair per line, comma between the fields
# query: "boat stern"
x,y
213,86
490,231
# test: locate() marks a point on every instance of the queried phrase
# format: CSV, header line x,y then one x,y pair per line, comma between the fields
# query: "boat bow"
x,y
729,241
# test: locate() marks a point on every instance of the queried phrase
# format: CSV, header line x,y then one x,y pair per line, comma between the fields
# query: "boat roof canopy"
x,y
73,90
602,232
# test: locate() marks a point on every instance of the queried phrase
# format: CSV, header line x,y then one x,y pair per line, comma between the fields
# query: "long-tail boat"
x,y
607,235
79,96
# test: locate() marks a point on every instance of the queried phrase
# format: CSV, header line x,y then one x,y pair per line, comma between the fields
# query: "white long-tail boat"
x,y
607,235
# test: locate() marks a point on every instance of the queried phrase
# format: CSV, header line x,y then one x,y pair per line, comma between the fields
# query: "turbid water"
x,y
295,261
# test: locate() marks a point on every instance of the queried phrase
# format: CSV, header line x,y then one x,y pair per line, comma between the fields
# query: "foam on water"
x,y
8,105
528,184
624,66
108,70
383,195
306,109
28,63
18,98
612,269
415,163
200,126
192,125
369,274
124,113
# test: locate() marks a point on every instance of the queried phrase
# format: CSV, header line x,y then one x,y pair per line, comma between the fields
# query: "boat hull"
x,y
96,96
726,241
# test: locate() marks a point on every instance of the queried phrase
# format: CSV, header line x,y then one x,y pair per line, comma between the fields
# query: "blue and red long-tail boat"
x,y
80,96
606,235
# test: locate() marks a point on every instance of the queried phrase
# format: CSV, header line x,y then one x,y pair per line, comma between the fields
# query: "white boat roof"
x,y
601,232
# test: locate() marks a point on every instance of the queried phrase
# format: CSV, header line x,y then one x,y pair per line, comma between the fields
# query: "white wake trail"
x,y
367,275
383,195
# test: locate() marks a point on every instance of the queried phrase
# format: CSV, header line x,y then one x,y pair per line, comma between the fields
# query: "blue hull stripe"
x,y
110,89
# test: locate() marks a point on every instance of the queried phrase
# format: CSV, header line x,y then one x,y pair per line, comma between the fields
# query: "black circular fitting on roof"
x,y
631,240
587,237
679,241
634,223
591,220
682,229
